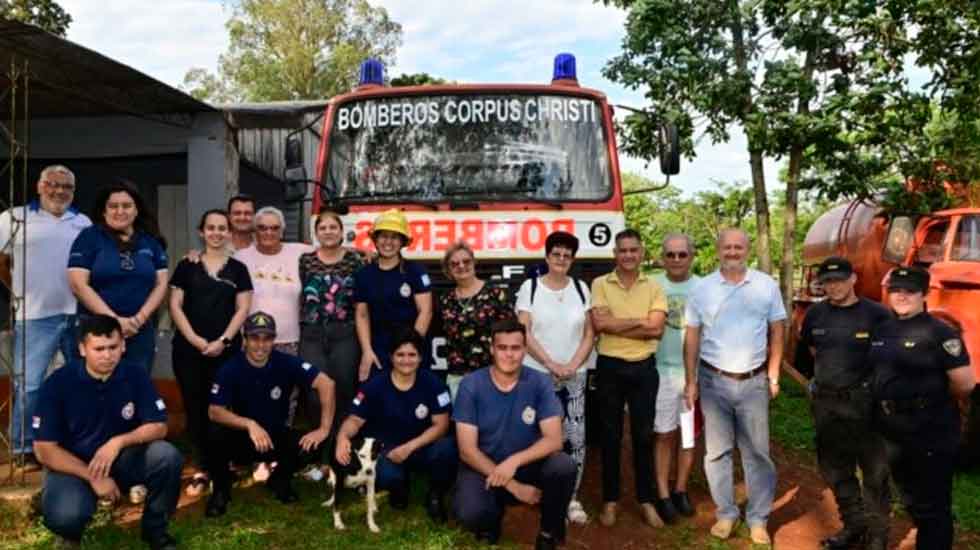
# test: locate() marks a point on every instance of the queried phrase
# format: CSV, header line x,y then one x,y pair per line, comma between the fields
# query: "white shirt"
x,y
44,283
734,319
558,320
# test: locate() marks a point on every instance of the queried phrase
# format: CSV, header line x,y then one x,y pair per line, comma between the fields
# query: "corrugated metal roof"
x,y
71,80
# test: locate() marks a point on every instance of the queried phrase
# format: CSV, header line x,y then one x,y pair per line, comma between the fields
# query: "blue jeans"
x,y
438,460
68,502
47,336
736,412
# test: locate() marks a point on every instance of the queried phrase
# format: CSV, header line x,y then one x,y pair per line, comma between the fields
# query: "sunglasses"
x,y
676,255
460,264
262,228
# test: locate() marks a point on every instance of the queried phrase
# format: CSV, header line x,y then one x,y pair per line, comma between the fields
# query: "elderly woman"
x,y
328,338
209,300
274,268
118,267
555,309
407,410
467,312
391,293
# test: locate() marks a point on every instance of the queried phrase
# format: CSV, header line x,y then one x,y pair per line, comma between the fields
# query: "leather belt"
x,y
734,375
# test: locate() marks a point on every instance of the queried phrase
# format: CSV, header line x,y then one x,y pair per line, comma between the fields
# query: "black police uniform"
x,y
842,415
261,394
915,413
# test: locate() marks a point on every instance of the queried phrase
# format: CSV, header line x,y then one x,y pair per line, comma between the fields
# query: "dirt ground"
x,y
804,513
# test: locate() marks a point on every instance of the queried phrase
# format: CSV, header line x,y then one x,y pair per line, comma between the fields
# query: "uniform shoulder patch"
x,y
444,399
953,346
161,405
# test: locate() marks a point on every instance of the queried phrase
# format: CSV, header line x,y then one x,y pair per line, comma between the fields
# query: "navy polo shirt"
x,y
123,280
262,393
390,296
81,413
394,416
507,422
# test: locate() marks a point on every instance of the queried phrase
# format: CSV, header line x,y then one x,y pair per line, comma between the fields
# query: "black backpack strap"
x,y
578,288
534,288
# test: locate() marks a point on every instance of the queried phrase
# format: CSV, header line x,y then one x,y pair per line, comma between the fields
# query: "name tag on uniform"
x,y
819,332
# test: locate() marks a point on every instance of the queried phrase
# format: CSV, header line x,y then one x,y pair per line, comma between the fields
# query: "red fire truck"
x,y
499,166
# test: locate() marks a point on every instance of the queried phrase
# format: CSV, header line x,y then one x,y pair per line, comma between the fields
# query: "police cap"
x,y
260,322
912,278
834,268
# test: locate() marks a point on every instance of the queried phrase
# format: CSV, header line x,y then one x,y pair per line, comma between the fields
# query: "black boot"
x,y
160,541
665,509
545,542
682,504
217,504
845,538
398,497
435,507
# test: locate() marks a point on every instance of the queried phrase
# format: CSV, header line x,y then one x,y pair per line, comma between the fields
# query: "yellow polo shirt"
x,y
645,296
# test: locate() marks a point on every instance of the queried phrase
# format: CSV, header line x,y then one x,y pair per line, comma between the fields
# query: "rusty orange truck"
x,y
946,242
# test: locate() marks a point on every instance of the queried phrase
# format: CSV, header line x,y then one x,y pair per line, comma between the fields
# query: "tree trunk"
x,y
755,154
763,245
789,229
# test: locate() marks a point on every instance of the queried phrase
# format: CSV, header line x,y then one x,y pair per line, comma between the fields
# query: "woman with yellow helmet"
x,y
390,293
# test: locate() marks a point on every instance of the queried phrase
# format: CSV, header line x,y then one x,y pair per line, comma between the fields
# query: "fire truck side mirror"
x,y
670,150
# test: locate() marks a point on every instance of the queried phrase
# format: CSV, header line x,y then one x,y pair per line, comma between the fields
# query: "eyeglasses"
x,y
460,264
676,255
562,256
69,187
264,228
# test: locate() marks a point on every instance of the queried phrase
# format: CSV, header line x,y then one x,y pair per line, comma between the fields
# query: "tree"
x,y
296,49
46,14
805,80
416,79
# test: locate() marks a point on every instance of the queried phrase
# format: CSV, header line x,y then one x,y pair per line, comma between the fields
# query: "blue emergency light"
x,y
564,67
372,72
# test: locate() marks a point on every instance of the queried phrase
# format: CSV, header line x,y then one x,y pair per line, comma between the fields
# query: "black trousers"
x,y
481,510
334,350
925,478
845,441
635,384
228,445
195,374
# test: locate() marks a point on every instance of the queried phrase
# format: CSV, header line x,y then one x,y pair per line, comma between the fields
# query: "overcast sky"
x,y
465,41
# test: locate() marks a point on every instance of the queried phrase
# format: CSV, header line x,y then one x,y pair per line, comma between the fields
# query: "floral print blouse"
x,y
328,288
466,322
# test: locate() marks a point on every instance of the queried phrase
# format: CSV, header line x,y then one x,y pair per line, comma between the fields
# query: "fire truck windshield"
x,y
473,147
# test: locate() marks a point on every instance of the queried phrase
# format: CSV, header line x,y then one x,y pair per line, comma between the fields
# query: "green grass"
x,y
791,424
255,521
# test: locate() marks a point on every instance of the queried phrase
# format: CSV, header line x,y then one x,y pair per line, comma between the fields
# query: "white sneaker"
x,y
137,494
576,514
312,474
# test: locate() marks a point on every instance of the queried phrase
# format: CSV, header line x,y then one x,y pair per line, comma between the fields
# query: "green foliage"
x,y
296,49
47,14
703,215
416,79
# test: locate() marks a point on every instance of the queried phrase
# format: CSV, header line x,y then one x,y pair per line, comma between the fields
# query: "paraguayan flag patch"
x,y
36,422
214,389
443,399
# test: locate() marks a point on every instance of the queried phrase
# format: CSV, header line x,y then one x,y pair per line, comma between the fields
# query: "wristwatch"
x,y
226,341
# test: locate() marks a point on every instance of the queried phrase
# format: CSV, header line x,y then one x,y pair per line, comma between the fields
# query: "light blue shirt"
x,y
734,319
